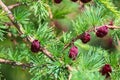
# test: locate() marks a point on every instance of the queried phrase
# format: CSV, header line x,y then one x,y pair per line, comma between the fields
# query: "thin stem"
x,y
14,5
13,63
70,76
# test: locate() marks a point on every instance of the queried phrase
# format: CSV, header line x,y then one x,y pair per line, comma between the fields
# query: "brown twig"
x,y
8,24
14,5
113,27
13,63
69,69
47,53
72,42
81,7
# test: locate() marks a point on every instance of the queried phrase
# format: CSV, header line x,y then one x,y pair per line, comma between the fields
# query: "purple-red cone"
x,y
35,46
102,31
106,69
74,0
73,52
85,1
57,1
85,37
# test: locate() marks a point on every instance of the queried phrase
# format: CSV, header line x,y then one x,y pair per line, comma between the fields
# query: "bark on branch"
x,y
13,63
14,5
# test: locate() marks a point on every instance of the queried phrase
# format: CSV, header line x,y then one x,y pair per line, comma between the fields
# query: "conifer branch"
x,y
10,16
89,30
13,63
20,29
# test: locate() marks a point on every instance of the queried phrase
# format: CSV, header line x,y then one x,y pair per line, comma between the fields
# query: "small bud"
x,y
73,52
57,1
74,0
106,69
111,23
35,47
102,31
85,1
85,37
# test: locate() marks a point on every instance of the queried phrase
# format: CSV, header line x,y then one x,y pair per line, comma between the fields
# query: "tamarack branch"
x,y
13,63
85,36
20,29
90,30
